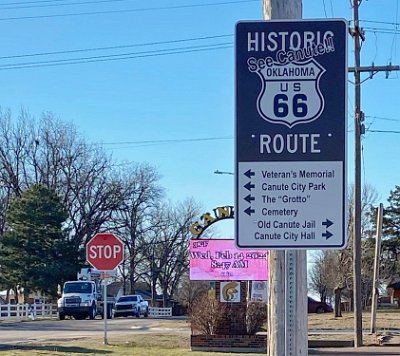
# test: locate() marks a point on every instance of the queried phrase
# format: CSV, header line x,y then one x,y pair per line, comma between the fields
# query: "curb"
x,y
330,343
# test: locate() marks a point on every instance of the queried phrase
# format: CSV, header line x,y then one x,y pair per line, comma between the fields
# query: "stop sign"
x,y
105,251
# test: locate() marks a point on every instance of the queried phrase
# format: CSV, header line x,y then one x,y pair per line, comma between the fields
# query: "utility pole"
x,y
296,341
358,118
376,268
358,35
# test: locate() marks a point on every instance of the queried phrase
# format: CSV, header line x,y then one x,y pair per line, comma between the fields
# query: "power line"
x,y
114,47
381,118
385,131
381,22
157,142
324,6
381,30
30,2
175,7
185,140
394,43
56,5
114,57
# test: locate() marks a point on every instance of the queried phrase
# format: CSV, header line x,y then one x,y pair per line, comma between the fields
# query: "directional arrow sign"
x,y
249,186
291,123
327,223
249,173
249,211
327,235
249,198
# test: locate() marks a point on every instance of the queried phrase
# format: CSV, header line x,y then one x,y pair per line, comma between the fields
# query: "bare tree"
x,y
51,153
189,290
134,220
323,274
97,195
341,278
169,258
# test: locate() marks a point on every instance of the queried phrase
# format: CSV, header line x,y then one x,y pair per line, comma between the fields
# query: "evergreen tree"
x,y
390,255
35,251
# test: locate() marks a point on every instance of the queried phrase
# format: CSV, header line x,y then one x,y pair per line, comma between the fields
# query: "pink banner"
x,y
221,260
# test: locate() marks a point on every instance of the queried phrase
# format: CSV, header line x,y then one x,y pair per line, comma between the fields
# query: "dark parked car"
x,y
318,307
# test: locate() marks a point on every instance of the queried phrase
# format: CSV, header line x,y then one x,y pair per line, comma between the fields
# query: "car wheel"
x,y
92,312
320,310
137,313
110,313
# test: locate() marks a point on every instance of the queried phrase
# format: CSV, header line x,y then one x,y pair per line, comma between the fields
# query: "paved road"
x,y
41,330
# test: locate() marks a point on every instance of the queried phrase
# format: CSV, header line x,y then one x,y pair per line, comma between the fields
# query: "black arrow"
x,y
327,223
327,234
249,173
249,211
249,198
249,186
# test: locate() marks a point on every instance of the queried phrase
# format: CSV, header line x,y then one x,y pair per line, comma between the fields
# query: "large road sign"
x,y
291,142
105,251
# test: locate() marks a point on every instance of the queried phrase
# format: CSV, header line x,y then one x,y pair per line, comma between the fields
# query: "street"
x,y
45,330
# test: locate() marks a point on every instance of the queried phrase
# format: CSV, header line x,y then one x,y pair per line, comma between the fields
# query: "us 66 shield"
x,y
291,106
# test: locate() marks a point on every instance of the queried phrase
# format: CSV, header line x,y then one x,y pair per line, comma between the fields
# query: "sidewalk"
x,y
364,351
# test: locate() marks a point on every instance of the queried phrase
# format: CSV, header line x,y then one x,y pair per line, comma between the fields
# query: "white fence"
x,y
160,312
27,311
40,311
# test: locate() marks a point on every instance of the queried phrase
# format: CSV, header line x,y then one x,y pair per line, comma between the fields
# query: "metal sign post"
x,y
105,305
290,289
105,251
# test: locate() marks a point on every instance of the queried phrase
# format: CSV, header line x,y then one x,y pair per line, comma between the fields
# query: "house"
x,y
34,297
393,290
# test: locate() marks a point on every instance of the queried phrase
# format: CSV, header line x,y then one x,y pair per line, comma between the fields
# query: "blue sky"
x,y
133,105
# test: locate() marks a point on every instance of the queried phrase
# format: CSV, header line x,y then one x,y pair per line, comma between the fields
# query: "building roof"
x,y
394,285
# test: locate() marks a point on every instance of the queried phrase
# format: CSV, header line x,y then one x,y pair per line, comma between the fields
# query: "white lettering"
x,y
93,251
106,252
290,143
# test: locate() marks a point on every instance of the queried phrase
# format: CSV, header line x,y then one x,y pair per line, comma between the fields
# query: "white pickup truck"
x,y
131,305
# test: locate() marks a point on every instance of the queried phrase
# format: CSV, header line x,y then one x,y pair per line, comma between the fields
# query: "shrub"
x,y
256,316
210,317
206,314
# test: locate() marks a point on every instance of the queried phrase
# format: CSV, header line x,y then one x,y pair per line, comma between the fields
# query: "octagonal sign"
x,y
105,251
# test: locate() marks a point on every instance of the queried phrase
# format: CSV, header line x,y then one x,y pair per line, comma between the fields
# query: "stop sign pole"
x,y
105,252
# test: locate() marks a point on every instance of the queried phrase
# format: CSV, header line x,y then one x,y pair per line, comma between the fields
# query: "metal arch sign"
x,y
291,142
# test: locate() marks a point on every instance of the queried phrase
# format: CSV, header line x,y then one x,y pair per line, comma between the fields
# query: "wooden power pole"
x,y
287,335
376,268
358,35
358,118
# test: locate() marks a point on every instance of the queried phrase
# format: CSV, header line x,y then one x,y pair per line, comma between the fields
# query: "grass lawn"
x,y
178,344
139,345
